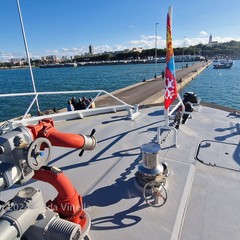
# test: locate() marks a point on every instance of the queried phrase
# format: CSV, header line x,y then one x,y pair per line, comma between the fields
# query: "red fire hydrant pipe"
x,y
45,128
68,203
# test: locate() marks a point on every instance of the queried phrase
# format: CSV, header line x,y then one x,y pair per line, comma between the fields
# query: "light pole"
x,y
183,49
194,57
194,50
156,49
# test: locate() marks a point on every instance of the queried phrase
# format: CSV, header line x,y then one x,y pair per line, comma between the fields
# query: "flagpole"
x,y
171,93
166,113
170,68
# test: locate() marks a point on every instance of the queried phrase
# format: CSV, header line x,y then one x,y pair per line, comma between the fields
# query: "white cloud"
x,y
6,56
72,51
108,48
186,42
148,42
203,33
82,50
102,48
53,52
225,39
203,40
119,47
65,49
147,37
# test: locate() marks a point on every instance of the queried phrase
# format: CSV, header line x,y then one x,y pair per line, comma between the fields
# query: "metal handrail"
x,y
123,105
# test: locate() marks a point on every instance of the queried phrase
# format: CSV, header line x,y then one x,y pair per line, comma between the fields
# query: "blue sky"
x,y
68,27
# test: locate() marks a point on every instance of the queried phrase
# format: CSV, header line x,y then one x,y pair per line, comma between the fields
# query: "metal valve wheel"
x,y
39,152
155,194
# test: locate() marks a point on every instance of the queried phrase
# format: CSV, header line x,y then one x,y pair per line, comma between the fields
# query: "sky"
x,y
68,27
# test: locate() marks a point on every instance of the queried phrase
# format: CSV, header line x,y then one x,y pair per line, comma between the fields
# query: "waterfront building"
x,y
50,58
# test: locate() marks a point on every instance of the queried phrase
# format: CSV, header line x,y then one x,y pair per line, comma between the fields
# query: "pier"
x,y
152,91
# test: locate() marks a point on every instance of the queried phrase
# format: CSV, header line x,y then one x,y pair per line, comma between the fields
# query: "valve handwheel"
x,y
39,152
155,194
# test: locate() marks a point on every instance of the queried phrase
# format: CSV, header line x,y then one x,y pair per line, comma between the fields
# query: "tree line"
x,y
230,49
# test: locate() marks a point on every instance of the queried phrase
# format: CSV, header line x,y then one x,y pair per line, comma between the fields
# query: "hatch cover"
x,y
221,154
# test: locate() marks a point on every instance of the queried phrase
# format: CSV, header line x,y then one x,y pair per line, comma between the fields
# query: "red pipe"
x,y
45,128
68,203
64,139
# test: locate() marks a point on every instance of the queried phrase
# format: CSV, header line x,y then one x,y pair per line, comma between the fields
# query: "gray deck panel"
x,y
214,210
115,200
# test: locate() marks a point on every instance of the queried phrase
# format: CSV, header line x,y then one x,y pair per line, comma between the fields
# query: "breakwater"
x,y
152,91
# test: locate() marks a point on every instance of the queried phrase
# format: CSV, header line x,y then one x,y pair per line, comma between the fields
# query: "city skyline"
x,y
67,28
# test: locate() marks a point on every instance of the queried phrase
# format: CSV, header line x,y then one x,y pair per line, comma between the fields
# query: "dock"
x,y
152,91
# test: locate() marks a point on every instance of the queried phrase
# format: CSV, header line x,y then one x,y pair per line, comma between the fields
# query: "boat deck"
x,y
202,190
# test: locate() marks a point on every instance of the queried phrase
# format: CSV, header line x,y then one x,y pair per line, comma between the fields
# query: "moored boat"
x,y
223,64
58,65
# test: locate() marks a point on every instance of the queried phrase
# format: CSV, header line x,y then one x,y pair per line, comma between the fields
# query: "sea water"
x,y
220,86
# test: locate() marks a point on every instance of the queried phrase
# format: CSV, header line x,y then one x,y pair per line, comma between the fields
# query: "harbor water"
x,y
219,86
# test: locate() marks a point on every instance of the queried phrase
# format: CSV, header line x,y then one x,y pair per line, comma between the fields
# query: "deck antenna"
x,y
27,53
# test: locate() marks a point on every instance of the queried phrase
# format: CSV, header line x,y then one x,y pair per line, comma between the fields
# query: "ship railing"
x,y
67,115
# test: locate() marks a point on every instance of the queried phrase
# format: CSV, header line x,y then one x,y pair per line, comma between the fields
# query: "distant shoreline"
x,y
15,67
83,64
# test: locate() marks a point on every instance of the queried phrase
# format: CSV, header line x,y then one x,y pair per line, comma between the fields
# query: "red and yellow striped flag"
x,y
170,82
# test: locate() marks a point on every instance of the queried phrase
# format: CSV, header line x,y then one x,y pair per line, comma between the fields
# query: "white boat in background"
x,y
58,65
223,64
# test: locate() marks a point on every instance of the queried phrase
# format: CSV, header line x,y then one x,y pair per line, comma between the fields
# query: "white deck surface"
x,y
203,201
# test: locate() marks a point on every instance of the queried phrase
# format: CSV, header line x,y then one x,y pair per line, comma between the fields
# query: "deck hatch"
x,y
220,154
